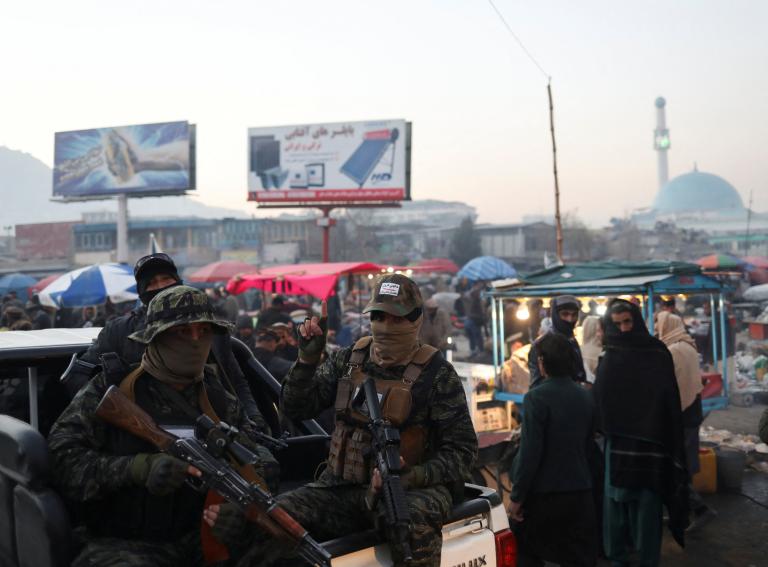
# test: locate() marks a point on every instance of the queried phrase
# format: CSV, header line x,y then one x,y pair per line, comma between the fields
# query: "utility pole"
x,y
558,224
749,221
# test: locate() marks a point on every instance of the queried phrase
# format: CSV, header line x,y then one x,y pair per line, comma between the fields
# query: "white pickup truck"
x,y
35,529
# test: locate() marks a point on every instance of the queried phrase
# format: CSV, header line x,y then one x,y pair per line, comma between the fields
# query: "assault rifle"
x,y
386,449
271,443
208,451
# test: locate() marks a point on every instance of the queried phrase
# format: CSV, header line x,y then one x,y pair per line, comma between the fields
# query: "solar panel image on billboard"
x,y
332,162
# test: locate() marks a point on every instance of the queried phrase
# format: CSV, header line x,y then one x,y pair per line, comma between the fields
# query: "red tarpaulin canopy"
x,y
220,271
443,265
317,280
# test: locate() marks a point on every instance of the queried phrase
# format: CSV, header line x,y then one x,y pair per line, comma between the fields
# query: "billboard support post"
x,y
122,228
326,222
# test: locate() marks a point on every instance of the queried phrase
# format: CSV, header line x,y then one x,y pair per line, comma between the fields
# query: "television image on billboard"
x,y
332,162
141,159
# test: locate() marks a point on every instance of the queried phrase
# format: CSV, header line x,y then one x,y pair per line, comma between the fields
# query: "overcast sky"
x,y
478,105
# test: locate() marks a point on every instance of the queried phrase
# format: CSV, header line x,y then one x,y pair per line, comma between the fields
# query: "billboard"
x,y
325,163
144,159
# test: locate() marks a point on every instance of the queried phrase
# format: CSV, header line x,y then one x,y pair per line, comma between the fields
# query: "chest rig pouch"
x,y
351,441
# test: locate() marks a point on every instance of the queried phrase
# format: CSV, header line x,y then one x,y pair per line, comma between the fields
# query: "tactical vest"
x,y
349,456
132,512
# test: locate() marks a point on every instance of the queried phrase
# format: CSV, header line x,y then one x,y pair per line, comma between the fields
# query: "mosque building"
x,y
702,201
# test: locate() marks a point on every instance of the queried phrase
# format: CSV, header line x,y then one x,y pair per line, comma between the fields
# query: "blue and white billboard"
x,y
151,159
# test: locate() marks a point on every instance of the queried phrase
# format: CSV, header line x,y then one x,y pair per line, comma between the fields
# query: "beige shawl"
x,y
591,343
672,333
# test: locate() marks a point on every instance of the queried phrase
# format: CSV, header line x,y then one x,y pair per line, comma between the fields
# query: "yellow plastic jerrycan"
x,y
705,481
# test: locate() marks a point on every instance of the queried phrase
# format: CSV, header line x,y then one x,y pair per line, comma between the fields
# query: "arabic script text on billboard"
x,y
344,161
145,158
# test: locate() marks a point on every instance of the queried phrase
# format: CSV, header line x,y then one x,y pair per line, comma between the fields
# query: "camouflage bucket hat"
x,y
394,294
177,305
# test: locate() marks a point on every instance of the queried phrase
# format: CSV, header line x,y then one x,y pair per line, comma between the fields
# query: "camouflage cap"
x,y
395,294
177,305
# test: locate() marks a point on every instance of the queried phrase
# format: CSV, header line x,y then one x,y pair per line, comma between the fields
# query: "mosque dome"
x,y
698,191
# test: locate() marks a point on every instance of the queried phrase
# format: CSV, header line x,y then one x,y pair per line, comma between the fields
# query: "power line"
x,y
519,41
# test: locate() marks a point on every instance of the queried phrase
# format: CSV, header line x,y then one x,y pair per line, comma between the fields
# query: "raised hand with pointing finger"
x,y
312,336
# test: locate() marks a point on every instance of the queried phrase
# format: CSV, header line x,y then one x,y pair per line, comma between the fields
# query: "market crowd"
x,y
609,433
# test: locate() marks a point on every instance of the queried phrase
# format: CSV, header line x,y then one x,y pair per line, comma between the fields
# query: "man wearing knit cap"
x,y
564,315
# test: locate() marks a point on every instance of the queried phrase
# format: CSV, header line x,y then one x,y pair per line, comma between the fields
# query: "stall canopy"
x,y
220,271
437,265
18,283
317,280
486,268
604,279
720,262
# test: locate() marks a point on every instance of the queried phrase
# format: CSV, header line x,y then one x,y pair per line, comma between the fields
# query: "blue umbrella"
x,y
18,283
91,286
486,268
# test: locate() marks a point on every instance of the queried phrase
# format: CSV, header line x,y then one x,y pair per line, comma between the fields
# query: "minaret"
x,y
661,141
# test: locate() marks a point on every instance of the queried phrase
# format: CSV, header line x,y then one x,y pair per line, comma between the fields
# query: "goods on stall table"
x,y
725,438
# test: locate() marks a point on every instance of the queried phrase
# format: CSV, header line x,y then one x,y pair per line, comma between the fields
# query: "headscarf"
x,y
683,349
564,302
591,343
177,360
395,344
635,381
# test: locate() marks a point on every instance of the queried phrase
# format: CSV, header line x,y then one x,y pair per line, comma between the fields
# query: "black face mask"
x,y
147,296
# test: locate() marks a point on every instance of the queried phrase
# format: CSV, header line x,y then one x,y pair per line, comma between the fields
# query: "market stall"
x,y
600,281
318,280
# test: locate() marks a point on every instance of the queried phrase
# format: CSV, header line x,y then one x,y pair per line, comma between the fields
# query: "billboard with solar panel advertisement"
x,y
144,159
330,163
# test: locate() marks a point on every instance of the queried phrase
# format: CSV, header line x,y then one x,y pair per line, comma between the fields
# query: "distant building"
x,y
699,201
522,245
44,241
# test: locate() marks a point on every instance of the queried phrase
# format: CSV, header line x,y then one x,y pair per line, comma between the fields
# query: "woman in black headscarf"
x,y
638,406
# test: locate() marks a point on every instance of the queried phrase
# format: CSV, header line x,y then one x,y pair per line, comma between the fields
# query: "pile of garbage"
x,y
751,373
723,438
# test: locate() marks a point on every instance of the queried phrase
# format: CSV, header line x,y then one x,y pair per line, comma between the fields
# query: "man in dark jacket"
x,y
38,314
564,315
638,405
264,351
273,314
153,274
551,478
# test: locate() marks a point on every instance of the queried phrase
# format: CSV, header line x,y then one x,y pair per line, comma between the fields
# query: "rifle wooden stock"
x,y
117,409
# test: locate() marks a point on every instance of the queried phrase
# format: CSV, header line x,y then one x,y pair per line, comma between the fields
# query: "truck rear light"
x,y
506,549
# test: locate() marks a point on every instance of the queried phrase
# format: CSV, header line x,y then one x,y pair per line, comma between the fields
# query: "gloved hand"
x,y
414,477
160,473
230,524
312,335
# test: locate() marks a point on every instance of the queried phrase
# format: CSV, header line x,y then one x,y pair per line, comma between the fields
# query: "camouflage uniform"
x,y
332,507
90,469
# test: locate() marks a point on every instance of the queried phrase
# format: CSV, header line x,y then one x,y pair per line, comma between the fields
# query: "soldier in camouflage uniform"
x,y
154,273
137,508
436,464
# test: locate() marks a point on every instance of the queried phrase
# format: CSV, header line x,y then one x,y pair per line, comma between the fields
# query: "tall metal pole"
x,y
749,221
661,142
326,222
558,225
122,228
